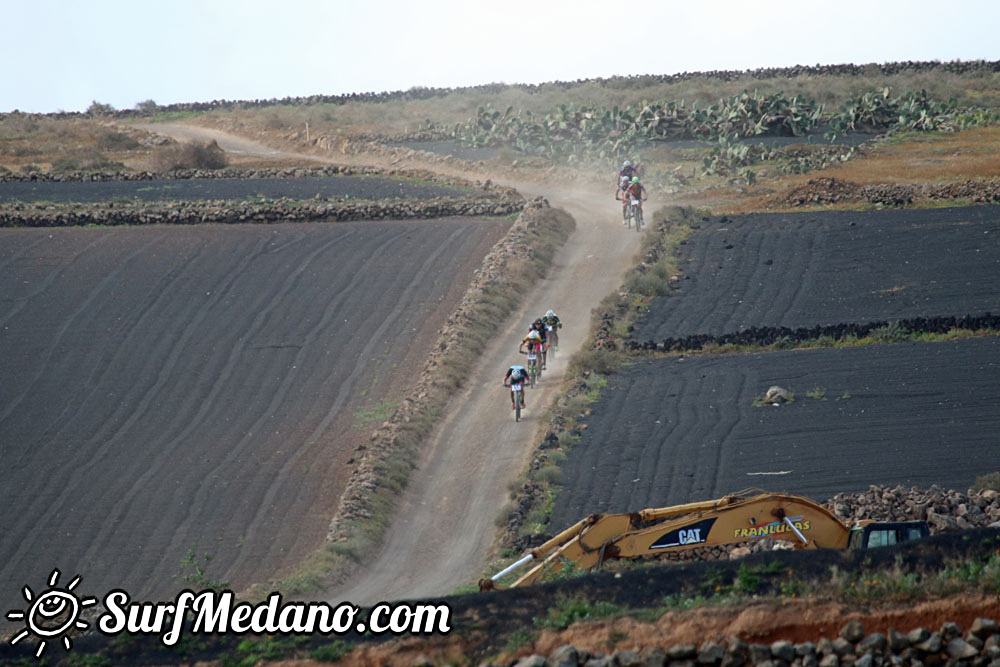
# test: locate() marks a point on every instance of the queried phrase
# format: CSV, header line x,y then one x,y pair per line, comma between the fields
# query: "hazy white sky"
x,y
65,54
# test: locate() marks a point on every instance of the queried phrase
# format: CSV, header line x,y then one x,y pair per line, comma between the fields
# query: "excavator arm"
x,y
735,518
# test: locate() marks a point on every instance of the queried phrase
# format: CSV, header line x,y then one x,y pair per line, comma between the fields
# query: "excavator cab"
x,y
868,535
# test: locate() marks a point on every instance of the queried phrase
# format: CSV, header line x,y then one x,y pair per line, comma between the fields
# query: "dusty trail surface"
x,y
230,143
444,527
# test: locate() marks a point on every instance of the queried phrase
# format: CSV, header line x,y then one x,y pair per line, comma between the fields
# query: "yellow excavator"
x,y
743,517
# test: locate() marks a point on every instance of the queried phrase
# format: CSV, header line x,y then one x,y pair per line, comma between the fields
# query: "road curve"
x,y
444,527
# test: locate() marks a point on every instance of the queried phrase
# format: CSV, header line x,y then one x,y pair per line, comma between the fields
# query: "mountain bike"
x,y
518,390
534,369
627,213
553,343
636,206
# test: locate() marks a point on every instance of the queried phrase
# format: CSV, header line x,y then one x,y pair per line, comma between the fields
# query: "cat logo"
x,y
690,536
696,533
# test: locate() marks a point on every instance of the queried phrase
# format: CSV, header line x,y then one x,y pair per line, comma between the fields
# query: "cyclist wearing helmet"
x,y
539,326
636,190
552,326
516,374
623,185
628,170
534,342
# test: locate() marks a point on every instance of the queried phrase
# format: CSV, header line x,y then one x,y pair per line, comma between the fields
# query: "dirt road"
x,y
445,524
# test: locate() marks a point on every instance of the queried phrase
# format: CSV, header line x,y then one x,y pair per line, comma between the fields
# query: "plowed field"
x,y
671,431
807,269
174,387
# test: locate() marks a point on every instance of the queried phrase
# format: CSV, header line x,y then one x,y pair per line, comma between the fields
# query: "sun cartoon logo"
x,y
52,614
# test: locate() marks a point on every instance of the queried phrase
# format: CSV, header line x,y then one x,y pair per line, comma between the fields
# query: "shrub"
x,y
597,361
550,474
568,611
110,140
890,333
331,652
190,156
87,161
988,481
503,518
98,109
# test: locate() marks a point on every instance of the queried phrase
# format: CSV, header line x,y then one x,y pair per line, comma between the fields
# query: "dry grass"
x,y
931,158
912,158
65,144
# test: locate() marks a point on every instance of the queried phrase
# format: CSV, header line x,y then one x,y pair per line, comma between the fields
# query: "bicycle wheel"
x,y
517,405
638,220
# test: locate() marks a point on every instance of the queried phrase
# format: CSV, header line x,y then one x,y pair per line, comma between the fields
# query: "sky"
x,y
63,55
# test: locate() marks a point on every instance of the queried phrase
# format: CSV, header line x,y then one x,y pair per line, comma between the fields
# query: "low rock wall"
x,y
196,212
822,191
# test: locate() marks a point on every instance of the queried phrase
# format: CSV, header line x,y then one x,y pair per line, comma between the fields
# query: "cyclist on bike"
x,y
621,192
628,170
533,340
552,324
539,326
636,190
516,374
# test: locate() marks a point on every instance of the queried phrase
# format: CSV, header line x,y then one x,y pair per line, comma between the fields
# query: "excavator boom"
x,y
734,518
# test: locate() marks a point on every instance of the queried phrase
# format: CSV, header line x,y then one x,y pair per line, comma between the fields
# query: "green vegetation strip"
x,y
570,133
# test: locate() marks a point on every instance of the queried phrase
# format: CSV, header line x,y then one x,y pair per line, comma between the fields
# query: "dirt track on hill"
x,y
444,527
445,523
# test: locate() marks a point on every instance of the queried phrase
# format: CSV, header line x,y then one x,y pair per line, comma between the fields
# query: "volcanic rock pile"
x,y
979,647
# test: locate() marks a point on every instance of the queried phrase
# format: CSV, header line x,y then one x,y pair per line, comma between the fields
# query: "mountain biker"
x,y
636,190
628,170
622,189
539,326
552,323
533,340
515,374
